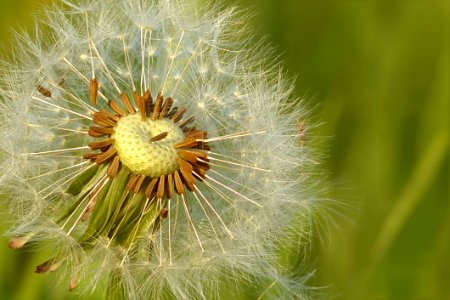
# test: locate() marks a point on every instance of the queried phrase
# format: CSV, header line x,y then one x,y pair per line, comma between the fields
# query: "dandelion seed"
x,y
172,164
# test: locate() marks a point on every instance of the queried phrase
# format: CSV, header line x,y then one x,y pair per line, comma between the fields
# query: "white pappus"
x,y
155,147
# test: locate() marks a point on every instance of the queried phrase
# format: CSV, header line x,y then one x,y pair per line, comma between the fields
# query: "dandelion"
x,y
155,148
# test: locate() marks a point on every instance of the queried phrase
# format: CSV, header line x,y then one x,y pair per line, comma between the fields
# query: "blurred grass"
x,y
379,72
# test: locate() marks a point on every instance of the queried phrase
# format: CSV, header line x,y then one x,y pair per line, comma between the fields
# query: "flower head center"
x,y
153,140
147,146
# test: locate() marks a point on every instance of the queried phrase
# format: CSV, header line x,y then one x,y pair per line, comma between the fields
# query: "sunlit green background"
x,y
377,75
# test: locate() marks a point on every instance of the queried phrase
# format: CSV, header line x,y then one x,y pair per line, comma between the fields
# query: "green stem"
x,y
408,200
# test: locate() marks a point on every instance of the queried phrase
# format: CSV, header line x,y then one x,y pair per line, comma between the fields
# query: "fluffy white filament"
x,y
229,228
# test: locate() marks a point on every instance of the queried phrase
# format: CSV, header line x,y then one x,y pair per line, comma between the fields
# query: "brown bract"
x,y
192,151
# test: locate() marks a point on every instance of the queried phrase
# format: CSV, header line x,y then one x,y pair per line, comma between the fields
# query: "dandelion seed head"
x,y
154,145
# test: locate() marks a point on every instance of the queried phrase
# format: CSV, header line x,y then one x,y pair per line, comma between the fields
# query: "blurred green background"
x,y
377,75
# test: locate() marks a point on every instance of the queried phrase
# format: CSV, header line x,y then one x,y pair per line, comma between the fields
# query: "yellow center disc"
x,y
132,140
